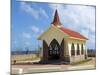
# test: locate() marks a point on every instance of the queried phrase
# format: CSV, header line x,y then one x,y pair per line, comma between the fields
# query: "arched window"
x,y
50,47
82,49
54,48
72,49
78,50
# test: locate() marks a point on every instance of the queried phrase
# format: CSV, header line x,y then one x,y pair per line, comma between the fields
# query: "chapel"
x,y
60,43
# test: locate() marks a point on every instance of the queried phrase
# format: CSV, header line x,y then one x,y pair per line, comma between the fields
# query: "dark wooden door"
x,y
54,50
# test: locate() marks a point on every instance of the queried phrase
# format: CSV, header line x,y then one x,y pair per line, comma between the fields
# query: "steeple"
x,y
56,20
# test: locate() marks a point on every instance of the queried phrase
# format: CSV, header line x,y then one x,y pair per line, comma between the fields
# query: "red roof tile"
x,y
72,33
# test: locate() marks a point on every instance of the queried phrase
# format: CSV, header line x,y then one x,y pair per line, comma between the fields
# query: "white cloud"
x,y
26,35
34,32
43,12
28,9
35,29
32,11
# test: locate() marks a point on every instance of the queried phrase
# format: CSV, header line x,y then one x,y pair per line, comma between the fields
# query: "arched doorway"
x,y
72,50
54,50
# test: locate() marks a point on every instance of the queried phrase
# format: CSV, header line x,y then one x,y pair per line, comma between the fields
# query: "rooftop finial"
x,y
56,20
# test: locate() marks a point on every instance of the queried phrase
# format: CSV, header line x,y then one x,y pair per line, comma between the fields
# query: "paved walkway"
x,y
51,68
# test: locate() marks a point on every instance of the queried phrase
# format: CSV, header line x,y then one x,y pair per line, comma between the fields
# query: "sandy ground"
x,y
51,68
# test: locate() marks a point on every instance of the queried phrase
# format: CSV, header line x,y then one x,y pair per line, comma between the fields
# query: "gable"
x,y
53,33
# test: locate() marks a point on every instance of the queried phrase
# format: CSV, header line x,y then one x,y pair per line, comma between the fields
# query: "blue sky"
x,y
30,19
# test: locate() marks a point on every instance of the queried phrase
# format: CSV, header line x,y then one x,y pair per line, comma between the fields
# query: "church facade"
x,y
60,43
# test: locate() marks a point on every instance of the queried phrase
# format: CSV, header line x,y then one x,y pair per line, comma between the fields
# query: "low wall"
x,y
23,57
77,58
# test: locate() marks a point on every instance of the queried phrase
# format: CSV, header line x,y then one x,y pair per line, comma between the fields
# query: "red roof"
x,y
72,33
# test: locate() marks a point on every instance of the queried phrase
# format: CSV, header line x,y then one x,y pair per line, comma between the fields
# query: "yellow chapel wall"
x,y
75,58
75,41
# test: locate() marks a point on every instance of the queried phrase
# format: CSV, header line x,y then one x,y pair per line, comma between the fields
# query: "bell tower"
x,y
56,20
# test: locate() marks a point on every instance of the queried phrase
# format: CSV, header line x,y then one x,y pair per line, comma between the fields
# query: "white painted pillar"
x,y
75,45
69,47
